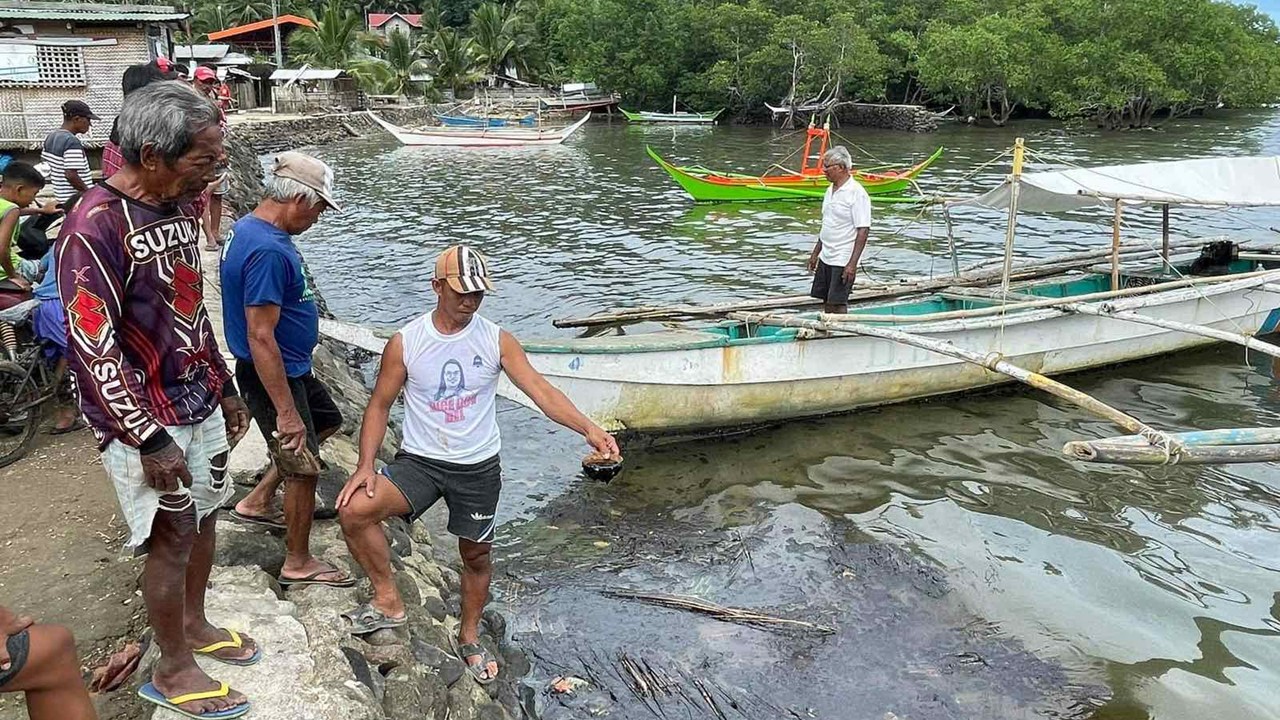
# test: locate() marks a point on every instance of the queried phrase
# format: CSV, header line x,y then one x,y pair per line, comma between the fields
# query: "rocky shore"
x,y
312,667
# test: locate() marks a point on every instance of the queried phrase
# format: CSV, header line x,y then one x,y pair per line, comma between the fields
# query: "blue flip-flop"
x,y
235,642
149,693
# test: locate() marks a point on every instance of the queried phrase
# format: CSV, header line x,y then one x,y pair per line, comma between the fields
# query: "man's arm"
x,y
813,256
265,274
553,403
373,428
859,243
860,213
269,364
74,158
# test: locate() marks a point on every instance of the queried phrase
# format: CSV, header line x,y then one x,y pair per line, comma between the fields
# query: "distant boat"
x,y
883,184
671,117
579,102
809,107
480,136
678,117
474,121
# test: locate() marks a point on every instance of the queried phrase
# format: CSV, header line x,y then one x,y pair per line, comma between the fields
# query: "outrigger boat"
x,y
682,118
883,184
752,363
472,121
480,136
732,365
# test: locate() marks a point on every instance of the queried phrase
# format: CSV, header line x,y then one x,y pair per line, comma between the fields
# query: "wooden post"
x,y
1115,248
951,242
1015,178
1164,234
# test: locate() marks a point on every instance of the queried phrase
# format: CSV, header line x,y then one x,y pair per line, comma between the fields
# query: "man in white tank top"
x,y
447,362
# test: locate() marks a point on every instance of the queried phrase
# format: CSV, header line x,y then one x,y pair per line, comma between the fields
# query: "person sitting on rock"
x,y
272,323
151,380
447,362
40,661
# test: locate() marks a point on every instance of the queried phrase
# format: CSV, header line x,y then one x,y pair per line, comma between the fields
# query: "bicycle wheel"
x,y
19,413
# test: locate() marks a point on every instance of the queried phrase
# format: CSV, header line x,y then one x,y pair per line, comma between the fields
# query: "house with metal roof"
x,y
258,38
386,23
52,52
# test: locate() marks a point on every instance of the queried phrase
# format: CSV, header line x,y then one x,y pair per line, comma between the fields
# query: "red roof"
x,y
377,20
261,24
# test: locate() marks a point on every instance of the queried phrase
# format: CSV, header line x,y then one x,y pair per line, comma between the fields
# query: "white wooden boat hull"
x,y
713,388
481,136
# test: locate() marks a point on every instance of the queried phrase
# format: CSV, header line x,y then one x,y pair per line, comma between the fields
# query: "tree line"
x,y
1119,63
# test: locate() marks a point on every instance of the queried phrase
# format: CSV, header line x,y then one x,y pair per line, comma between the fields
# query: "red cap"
x,y
164,64
204,73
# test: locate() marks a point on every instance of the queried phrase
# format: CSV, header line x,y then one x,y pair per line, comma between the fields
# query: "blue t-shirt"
x,y
261,266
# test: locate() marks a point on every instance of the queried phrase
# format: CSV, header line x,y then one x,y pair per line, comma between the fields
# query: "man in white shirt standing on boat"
x,y
447,362
846,220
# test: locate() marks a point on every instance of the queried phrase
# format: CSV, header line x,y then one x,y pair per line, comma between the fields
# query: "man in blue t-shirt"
x,y
272,326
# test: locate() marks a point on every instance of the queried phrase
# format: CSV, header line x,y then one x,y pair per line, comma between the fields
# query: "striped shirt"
x,y
142,352
64,151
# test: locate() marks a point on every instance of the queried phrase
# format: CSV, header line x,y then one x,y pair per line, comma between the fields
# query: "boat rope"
x,y
856,146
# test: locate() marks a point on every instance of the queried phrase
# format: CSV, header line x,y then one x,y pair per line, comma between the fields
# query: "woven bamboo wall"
x,y
29,113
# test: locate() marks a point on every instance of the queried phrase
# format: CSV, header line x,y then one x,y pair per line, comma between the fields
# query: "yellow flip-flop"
x,y
235,642
149,693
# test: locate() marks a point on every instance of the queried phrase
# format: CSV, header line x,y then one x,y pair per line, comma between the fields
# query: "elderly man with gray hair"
x,y
151,380
846,220
272,324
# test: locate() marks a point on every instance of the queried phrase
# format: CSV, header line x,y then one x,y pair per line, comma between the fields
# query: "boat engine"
x,y
1215,258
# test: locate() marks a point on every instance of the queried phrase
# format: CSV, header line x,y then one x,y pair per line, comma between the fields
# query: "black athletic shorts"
x,y
310,396
470,491
19,647
829,285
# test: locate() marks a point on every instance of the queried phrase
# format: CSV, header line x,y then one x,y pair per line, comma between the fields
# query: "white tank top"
x,y
449,394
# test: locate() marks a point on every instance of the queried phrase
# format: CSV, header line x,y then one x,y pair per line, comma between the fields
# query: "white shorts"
x,y
139,502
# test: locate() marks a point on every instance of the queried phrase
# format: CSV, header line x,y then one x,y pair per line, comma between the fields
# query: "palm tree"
x,y
501,36
392,72
335,40
453,59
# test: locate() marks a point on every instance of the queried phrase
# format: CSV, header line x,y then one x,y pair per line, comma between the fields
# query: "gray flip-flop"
x,y
313,579
367,618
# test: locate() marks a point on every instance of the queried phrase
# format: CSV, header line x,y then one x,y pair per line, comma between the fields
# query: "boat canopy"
x,y
1222,182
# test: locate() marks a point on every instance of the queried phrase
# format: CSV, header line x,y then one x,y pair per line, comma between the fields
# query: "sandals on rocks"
x,y
367,618
477,670
345,581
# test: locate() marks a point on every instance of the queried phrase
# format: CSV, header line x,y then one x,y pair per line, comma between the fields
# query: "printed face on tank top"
x,y
452,398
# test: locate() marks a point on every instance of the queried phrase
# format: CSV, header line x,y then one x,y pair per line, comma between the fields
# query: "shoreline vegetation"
x,y
1115,65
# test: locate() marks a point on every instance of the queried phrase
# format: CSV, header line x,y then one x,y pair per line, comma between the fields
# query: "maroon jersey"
x,y
142,351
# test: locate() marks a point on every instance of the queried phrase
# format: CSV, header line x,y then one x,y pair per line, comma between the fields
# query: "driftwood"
x,y
979,275
719,612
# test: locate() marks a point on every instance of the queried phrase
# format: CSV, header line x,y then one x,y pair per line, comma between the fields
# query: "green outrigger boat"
x,y
885,185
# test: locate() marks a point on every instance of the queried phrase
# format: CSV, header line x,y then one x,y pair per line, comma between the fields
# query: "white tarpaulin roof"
x,y
1241,182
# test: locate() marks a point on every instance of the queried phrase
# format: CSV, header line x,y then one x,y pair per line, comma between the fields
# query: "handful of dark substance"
x,y
601,466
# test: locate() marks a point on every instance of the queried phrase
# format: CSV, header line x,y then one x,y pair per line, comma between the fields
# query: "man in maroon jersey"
x,y
151,380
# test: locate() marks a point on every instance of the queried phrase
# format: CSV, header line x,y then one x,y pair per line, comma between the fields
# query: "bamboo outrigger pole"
x,y
1015,182
991,361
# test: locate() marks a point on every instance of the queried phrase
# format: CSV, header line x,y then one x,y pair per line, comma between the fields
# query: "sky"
x,y
1271,7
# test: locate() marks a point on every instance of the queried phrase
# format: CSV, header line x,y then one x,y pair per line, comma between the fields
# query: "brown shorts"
x,y
319,413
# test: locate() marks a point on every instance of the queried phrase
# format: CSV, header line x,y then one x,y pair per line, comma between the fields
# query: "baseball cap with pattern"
x,y
309,171
464,269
